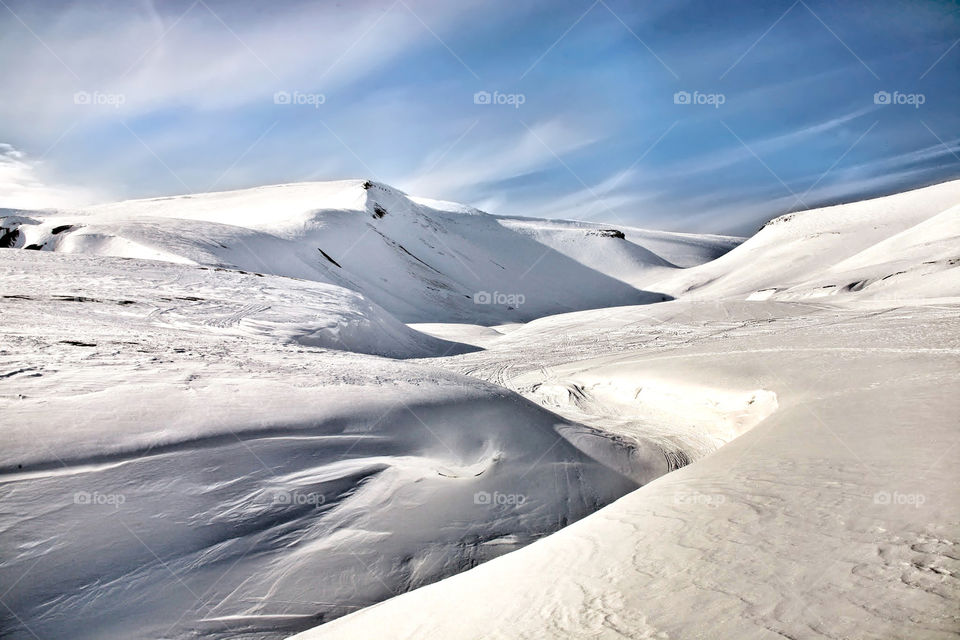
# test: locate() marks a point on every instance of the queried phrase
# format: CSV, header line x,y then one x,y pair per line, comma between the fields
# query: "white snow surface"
x,y
182,457
202,437
834,514
217,300
422,260
899,247
835,517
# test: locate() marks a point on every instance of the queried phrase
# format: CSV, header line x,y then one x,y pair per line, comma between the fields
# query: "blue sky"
x,y
588,116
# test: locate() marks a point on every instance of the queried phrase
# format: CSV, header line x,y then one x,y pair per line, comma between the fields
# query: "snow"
x,y
473,334
422,260
832,514
652,248
211,430
807,525
181,456
218,300
896,248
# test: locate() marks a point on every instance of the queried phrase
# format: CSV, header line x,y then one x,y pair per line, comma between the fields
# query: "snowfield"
x,y
835,517
283,410
181,454
219,301
421,260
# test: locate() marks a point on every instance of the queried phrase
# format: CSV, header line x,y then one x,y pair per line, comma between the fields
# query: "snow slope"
x,y
421,260
641,256
198,441
832,510
175,465
226,302
835,517
898,247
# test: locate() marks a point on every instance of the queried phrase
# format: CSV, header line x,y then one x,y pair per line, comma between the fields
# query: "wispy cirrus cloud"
x,y
490,160
198,55
146,98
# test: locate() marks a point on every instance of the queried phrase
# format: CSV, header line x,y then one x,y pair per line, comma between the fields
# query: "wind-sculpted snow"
x,y
835,517
174,465
202,437
204,299
421,260
833,514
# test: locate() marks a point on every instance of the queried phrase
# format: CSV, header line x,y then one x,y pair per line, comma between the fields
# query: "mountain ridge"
x,y
420,259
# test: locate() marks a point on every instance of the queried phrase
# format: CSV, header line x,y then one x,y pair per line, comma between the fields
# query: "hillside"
x,y
898,247
421,260
171,431
217,425
822,354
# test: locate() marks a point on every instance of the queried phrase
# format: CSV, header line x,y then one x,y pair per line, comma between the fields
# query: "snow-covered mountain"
x,y
203,437
832,514
422,260
903,246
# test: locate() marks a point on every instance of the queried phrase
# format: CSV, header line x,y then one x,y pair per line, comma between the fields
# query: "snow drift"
x,y
834,517
182,458
202,299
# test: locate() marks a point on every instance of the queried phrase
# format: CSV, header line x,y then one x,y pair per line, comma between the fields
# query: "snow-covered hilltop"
x,y
250,413
185,382
900,247
422,260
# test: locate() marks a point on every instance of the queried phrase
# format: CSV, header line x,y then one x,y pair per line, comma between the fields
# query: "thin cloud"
x,y
509,155
21,186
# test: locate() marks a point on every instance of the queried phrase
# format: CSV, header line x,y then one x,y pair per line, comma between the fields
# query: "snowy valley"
x,y
337,409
